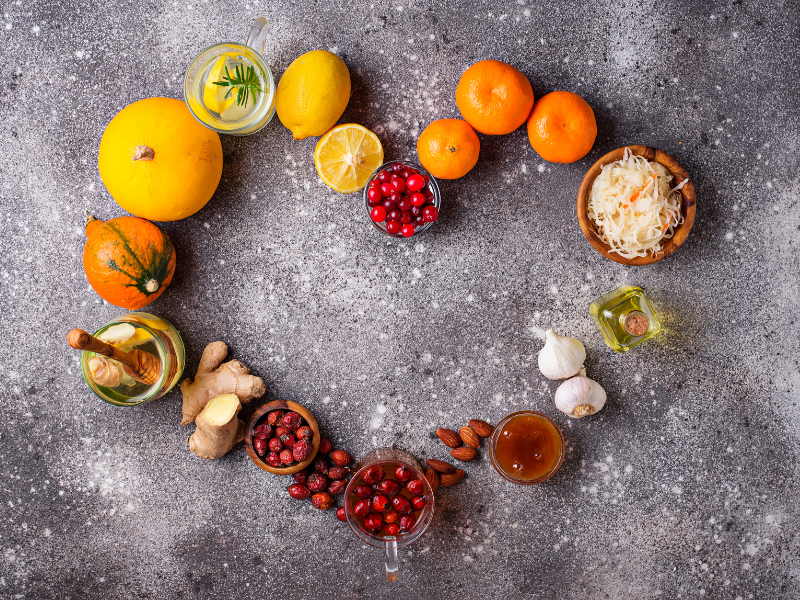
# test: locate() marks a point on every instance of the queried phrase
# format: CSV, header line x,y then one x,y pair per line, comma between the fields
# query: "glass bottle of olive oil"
x,y
625,318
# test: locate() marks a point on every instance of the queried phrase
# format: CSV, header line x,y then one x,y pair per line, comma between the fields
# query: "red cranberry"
x,y
287,457
378,214
304,433
373,475
380,502
395,197
374,194
393,227
402,473
408,230
431,213
273,459
407,522
391,530
415,183
408,172
301,450
298,491
383,176
373,522
397,168
362,508
414,486
363,491
302,476
291,421
401,504
406,218
417,199
418,502
388,204
428,195
340,514
337,486
386,190
274,417
374,183
289,440
398,184
275,444
426,178
420,221
325,446
321,465
388,486
391,516
317,482
260,446
394,215
404,204
416,211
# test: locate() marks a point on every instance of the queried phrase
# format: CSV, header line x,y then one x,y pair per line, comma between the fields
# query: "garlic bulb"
x,y
561,356
579,397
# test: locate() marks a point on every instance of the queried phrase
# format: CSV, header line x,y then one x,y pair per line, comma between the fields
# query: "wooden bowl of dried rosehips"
x,y
282,437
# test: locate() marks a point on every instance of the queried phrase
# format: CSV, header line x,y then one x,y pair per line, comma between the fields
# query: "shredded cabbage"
x,y
633,207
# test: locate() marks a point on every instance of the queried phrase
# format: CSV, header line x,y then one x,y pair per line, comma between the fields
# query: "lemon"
x,y
313,93
346,156
214,95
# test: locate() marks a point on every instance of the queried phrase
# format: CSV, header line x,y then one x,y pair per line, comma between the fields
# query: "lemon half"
x,y
346,156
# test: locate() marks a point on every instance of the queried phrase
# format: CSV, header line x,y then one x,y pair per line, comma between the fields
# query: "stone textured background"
x,y
685,486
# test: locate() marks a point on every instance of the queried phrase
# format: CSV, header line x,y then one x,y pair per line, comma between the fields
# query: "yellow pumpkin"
x,y
158,162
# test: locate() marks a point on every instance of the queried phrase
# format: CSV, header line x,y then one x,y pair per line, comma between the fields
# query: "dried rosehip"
x,y
321,465
325,445
286,456
264,429
418,502
321,501
407,522
301,450
391,529
363,491
260,446
391,516
275,444
302,476
340,514
298,491
373,475
362,508
261,435
415,486
337,486
338,472
402,473
402,505
340,458
373,521
273,459
281,430
291,421
304,433
317,482
288,440
388,486
380,502
274,417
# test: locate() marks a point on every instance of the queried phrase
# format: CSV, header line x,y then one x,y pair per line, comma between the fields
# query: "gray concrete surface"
x,y
685,486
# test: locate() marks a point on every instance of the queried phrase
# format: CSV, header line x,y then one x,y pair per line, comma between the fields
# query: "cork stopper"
x,y
635,323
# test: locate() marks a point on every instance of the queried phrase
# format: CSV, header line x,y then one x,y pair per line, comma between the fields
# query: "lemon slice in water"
x,y
214,95
346,156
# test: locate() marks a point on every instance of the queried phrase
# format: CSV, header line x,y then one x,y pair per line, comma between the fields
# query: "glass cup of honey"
x,y
526,447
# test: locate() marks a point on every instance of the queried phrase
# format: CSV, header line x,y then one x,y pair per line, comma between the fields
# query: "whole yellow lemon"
x,y
313,93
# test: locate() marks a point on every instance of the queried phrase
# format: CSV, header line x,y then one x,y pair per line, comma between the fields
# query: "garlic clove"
x,y
580,397
561,357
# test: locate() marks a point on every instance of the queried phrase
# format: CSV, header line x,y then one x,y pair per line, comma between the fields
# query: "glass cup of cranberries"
x,y
389,503
402,199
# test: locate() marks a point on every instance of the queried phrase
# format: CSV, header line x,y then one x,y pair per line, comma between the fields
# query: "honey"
x,y
527,447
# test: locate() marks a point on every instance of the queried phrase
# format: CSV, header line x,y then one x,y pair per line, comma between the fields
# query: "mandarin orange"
x,y
562,127
494,97
448,148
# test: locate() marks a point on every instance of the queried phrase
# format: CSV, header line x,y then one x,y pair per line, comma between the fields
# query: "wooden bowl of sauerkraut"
x,y
636,205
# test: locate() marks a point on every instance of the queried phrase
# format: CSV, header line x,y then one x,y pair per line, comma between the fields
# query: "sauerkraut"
x,y
633,207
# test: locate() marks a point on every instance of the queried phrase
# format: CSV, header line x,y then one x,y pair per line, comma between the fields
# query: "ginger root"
x,y
105,372
218,429
215,379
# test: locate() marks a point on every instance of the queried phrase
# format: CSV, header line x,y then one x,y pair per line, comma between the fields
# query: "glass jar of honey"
x,y
526,447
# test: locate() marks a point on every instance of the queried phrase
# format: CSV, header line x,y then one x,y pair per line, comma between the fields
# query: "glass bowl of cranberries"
x,y
402,199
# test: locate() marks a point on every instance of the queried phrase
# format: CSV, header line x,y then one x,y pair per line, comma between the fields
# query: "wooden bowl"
x,y
688,205
285,405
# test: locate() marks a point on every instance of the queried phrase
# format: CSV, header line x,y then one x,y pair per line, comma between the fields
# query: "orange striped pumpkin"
x,y
128,261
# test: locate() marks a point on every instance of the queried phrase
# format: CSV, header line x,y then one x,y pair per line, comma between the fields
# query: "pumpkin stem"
x,y
152,286
92,223
143,153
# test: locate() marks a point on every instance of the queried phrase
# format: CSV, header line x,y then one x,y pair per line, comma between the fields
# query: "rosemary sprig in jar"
x,y
244,83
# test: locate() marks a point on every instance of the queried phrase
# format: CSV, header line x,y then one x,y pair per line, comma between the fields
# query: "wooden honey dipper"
x,y
142,366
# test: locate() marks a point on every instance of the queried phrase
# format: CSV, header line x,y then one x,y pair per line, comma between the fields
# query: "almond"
x,y
433,478
465,453
482,428
440,465
449,437
448,479
469,437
